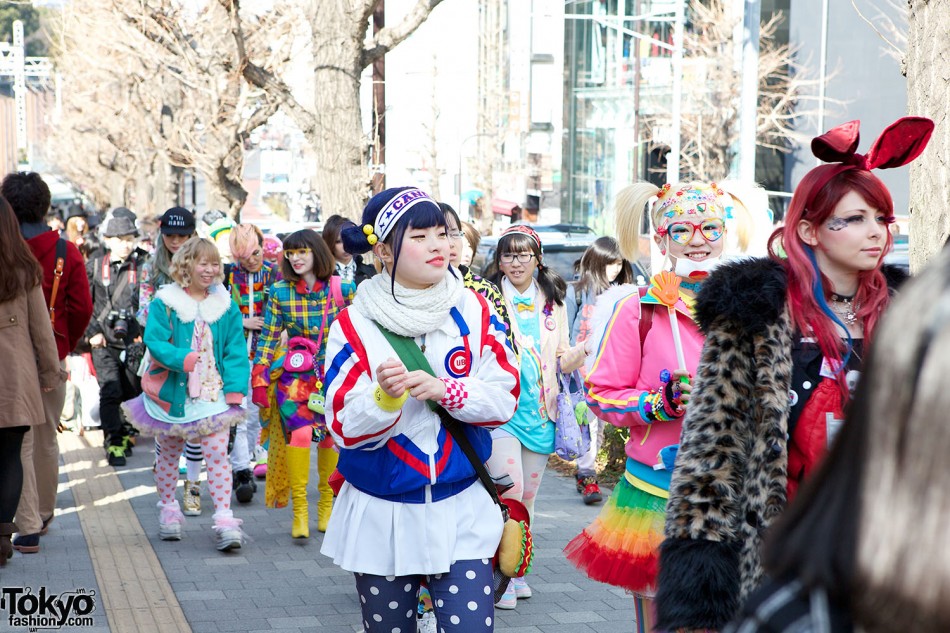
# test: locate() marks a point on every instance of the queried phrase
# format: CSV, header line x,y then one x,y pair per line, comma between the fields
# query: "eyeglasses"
x,y
524,258
456,235
297,252
682,232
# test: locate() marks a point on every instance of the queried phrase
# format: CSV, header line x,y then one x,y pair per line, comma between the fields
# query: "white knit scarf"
x,y
416,312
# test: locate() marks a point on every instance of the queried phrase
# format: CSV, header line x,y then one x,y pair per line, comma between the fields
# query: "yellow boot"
x,y
327,459
298,470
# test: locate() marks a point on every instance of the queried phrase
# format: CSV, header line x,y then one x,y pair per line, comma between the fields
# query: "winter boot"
x,y
327,459
298,469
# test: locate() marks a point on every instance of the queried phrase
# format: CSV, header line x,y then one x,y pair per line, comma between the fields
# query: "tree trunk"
x,y
928,93
338,140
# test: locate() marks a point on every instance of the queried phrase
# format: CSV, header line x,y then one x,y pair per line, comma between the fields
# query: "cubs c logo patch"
x,y
456,363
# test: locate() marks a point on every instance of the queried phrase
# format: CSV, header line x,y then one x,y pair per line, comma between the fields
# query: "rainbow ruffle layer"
x,y
621,546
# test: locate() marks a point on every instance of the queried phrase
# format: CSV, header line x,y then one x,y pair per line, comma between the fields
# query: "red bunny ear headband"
x,y
899,144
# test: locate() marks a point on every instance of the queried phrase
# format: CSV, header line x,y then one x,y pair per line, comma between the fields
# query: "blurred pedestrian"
x,y
602,266
861,547
470,246
114,279
76,224
66,290
54,220
31,364
785,339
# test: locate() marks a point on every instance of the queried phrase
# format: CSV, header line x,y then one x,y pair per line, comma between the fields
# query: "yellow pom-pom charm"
x,y
368,229
372,239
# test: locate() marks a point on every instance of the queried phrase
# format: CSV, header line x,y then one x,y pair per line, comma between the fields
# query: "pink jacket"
x,y
620,373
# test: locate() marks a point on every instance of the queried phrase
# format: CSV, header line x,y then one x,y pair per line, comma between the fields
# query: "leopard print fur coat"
x,y
730,478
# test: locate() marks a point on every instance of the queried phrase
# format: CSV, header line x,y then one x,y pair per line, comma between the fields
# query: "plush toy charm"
x,y
316,403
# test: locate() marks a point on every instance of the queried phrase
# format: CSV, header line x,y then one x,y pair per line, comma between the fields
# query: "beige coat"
x,y
555,345
29,359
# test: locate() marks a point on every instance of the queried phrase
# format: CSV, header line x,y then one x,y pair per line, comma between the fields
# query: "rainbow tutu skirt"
x,y
621,547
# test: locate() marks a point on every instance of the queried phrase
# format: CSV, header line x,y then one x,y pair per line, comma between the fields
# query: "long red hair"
x,y
806,282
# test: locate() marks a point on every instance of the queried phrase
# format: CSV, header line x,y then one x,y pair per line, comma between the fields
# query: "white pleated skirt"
x,y
370,535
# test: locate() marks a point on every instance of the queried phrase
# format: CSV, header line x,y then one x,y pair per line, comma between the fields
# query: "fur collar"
x,y
187,309
751,293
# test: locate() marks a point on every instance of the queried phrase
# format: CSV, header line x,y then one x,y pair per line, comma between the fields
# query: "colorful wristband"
x,y
386,402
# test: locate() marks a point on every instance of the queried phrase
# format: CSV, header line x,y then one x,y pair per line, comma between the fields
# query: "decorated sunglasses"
x,y
683,232
296,252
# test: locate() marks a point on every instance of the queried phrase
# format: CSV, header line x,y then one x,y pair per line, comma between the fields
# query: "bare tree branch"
x,y
261,78
389,37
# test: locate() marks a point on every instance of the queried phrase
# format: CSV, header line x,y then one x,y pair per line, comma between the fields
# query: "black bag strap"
x,y
412,357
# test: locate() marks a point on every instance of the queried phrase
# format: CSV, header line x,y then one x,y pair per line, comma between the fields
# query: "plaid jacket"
x,y
240,281
300,313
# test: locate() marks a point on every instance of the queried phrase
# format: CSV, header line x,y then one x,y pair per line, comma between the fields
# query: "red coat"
x,y
73,299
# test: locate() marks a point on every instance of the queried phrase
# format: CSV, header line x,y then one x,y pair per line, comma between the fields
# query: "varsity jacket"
x,y
386,453
729,483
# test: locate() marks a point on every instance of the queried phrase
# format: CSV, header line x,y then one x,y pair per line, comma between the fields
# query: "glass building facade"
x,y
618,74
617,58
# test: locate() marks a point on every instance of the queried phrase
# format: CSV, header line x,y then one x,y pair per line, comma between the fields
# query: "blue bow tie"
x,y
524,304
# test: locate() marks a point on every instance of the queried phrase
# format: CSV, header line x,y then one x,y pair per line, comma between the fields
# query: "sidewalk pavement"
x,y
105,540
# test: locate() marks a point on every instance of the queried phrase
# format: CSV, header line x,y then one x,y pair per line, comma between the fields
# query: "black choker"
x,y
841,298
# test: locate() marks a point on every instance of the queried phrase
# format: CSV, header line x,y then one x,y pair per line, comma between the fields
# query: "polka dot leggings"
x,y
215,449
462,600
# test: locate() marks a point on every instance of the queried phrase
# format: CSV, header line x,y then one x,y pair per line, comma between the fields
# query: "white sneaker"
x,y
522,590
228,534
169,522
169,531
427,623
227,539
509,600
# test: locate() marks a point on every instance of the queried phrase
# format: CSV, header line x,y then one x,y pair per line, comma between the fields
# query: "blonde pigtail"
x,y
628,208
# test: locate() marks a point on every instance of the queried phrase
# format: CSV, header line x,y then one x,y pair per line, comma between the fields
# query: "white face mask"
x,y
686,267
